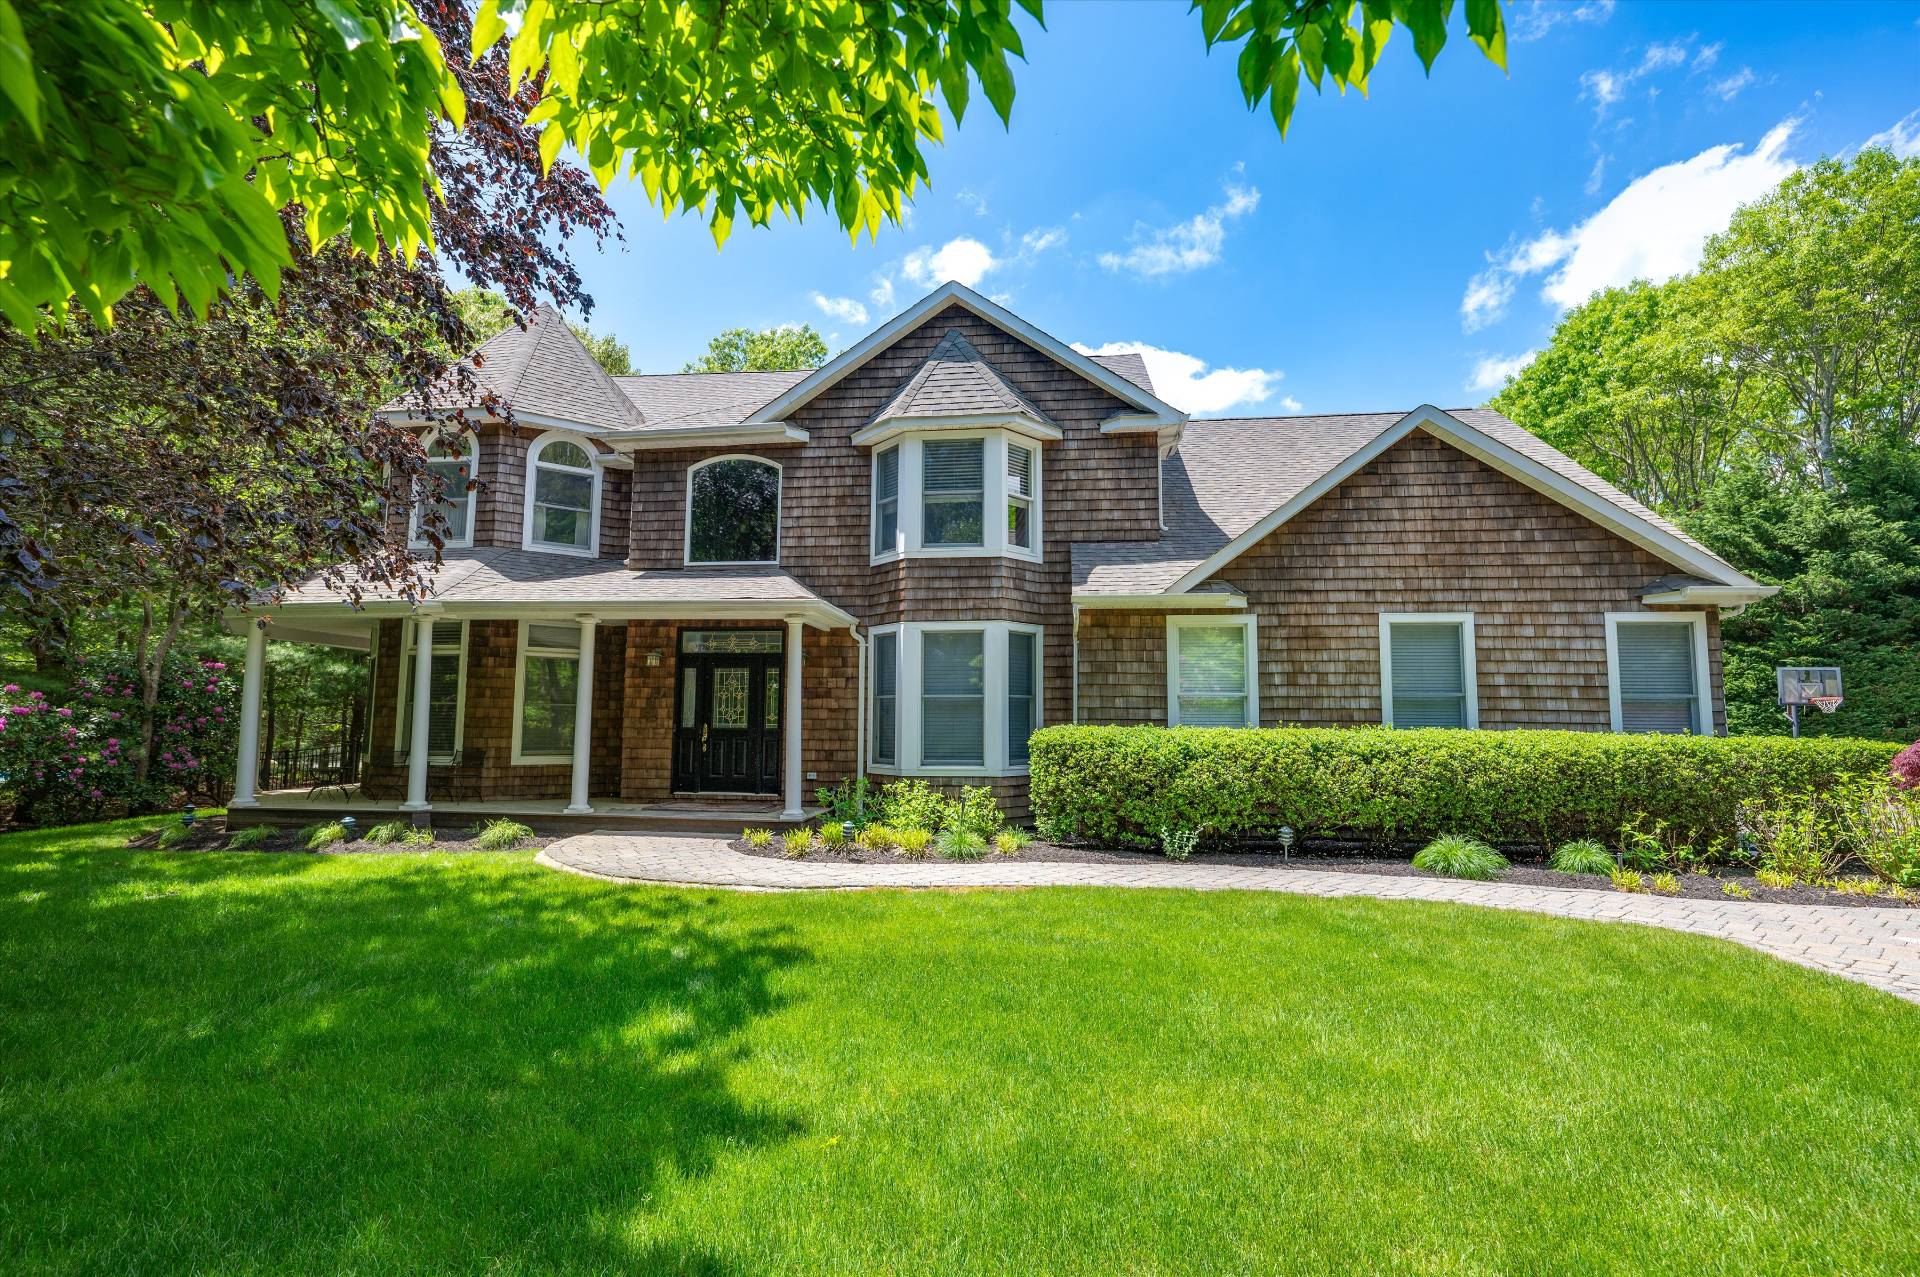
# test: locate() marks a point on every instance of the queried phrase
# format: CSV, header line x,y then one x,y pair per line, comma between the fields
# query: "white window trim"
x,y
402,728
1250,623
471,440
521,651
906,697
1469,669
592,548
899,450
1702,678
910,539
779,513
871,708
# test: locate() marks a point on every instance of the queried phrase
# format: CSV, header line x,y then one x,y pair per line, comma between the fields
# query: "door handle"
x,y
703,733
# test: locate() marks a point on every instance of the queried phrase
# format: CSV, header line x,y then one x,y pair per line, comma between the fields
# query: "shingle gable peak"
x,y
956,380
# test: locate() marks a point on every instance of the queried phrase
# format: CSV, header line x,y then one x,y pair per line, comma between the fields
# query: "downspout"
x,y
1076,663
859,716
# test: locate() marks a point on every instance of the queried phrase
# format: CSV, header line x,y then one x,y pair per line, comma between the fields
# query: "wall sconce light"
x,y
653,658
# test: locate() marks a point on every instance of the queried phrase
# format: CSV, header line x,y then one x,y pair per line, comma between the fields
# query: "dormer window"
x,y
733,511
947,493
563,497
452,461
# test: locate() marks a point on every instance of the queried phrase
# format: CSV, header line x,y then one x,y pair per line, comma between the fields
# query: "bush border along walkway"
x,y
1122,785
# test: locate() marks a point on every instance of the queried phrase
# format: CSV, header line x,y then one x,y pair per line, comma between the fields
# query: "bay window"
x,y
952,493
1019,496
939,493
886,501
953,698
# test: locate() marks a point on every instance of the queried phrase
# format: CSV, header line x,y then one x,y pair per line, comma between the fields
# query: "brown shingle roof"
x,y
540,370
957,380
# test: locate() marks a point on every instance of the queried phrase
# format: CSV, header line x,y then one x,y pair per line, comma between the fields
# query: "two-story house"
x,y
962,529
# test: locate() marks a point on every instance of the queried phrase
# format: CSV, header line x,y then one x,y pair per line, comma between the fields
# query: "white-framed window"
x,y
546,687
1213,671
563,496
1427,672
884,715
453,459
954,698
733,511
957,494
446,695
886,502
1657,672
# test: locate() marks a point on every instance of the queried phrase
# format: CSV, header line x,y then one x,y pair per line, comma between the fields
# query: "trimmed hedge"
x,y
1122,785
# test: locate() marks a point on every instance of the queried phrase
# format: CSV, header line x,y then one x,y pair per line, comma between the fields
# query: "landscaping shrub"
x,y
1625,879
975,812
912,804
1122,785
500,835
1178,844
1884,830
851,802
833,835
171,835
1455,856
323,835
912,842
757,838
875,838
389,831
1905,767
961,844
1664,884
1008,842
250,837
1582,856
796,843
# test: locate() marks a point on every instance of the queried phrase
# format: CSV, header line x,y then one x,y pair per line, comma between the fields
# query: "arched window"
x,y
733,511
452,461
563,496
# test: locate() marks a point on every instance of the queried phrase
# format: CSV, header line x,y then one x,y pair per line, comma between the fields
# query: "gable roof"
x,y
543,374
676,399
956,380
1149,412
1231,482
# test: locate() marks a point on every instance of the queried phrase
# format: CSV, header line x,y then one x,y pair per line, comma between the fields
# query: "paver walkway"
x,y
1880,947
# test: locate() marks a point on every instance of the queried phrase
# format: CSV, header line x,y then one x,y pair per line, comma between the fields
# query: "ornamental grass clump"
x,y
1454,856
317,836
876,838
833,835
500,835
912,843
758,839
1009,842
172,836
388,832
961,844
796,843
247,839
1625,879
1582,856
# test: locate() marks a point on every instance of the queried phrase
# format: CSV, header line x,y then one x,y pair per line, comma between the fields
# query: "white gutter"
x,y
1201,601
1714,595
648,438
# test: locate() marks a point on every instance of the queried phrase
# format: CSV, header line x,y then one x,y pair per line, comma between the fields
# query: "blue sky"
x,y
1397,249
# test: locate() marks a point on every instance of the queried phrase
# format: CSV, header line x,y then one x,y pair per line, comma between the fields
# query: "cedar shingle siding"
x,y
1423,527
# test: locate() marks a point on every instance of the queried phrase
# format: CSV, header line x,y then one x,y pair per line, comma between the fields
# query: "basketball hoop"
x,y
1825,704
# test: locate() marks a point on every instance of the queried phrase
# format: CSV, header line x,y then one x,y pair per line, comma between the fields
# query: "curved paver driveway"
x,y
1880,947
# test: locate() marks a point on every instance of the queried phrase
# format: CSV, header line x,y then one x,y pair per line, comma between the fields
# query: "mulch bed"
x,y
1696,886
211,835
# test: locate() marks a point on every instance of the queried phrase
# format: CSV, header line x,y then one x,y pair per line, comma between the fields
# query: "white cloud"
x,y
1903,138
1491,372
1659,57
1729,88
1708,55
1042,238
1598,176
1186,382
1604,87
1653,230
973,199
1184,246
846,309
965,260
1532,19
882,294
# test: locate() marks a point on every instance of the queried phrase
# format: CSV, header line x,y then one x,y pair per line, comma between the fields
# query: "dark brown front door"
x,y
727,714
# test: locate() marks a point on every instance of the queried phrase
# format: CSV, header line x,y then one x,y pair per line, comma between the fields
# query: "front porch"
x,y
714,817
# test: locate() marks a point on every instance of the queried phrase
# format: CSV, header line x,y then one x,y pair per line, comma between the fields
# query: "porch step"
x,y
619,818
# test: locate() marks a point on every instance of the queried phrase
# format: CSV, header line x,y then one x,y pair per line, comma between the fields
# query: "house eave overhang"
x,y
1017,422
1213,601
1710,595
305,621
656,438
951,292
413,419
1515,465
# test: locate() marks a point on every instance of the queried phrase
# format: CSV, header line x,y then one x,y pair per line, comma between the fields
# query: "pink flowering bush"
x,y
1906,767
76,759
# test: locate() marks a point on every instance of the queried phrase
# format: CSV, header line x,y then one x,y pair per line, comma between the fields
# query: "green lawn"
x,y
290,1064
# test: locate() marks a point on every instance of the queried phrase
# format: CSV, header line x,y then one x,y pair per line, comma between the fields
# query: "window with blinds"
x,y
953,698
886,689
953,492
1659,689
886,501
1019,496
549,689
443,691
448,487
1210,675
1429,683
1021,651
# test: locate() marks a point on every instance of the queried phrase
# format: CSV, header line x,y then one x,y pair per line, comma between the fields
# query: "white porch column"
x,y
422,714
583,722
790,720
248,770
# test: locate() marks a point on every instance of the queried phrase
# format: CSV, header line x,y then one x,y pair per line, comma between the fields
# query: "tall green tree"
x,y
768,350
152,141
